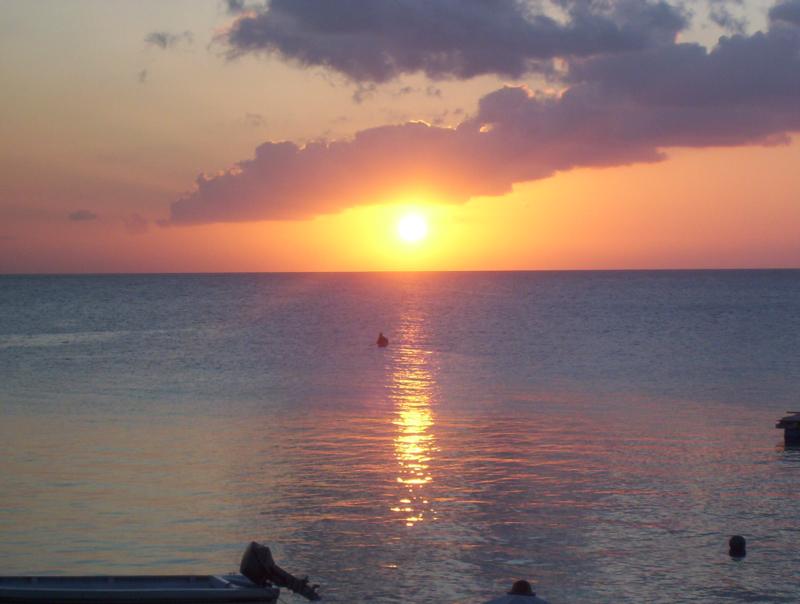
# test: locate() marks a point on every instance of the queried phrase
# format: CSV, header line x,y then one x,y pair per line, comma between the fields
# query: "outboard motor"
x,y
259,566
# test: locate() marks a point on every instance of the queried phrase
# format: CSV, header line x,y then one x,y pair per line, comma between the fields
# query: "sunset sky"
x,y
210,135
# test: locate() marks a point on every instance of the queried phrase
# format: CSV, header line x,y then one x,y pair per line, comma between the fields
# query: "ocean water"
x,y
601,434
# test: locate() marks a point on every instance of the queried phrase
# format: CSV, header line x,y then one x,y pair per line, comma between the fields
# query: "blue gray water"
x,y
601,433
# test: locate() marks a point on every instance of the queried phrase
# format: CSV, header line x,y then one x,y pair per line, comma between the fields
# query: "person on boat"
x,y
382,340
521,593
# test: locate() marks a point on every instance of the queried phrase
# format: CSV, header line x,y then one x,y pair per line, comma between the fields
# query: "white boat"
x,y
165,589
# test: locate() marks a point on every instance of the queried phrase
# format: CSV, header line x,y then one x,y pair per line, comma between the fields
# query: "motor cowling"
x,y
259,566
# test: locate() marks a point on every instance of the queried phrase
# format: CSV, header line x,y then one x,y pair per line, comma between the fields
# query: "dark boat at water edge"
x,y
258,582
198,589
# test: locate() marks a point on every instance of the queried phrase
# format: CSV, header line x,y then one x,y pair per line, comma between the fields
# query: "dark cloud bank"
x,y
629,91
371,41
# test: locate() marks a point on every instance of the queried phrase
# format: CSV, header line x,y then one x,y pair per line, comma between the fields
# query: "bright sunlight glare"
x,y
412,228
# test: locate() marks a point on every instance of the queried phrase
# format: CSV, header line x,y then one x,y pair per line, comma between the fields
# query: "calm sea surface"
x,y
601,433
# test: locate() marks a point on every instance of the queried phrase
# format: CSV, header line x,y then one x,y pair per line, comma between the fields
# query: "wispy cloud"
x,y
722,14
166,40
235,7
256,120
82,215
136,224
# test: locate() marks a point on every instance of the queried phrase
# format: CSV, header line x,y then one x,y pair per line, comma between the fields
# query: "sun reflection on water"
x,y
414,442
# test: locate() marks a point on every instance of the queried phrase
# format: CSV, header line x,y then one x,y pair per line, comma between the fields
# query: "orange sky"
x,y
100,125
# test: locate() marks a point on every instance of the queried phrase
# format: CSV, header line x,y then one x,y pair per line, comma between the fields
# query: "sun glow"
x,y
412,228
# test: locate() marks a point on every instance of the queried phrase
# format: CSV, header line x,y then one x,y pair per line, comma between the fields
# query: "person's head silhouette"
x,y
521,588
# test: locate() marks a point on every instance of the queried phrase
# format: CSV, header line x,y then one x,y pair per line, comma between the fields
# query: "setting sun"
x,y
412,228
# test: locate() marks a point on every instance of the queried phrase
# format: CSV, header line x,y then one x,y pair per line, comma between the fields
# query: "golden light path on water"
x,y
414,443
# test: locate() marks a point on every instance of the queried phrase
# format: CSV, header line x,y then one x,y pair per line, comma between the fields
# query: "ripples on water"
x,y
602,433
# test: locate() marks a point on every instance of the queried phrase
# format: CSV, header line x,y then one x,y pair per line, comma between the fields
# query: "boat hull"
x,y
164,589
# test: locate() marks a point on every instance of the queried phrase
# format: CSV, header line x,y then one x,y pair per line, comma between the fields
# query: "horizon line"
x,y
368,272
